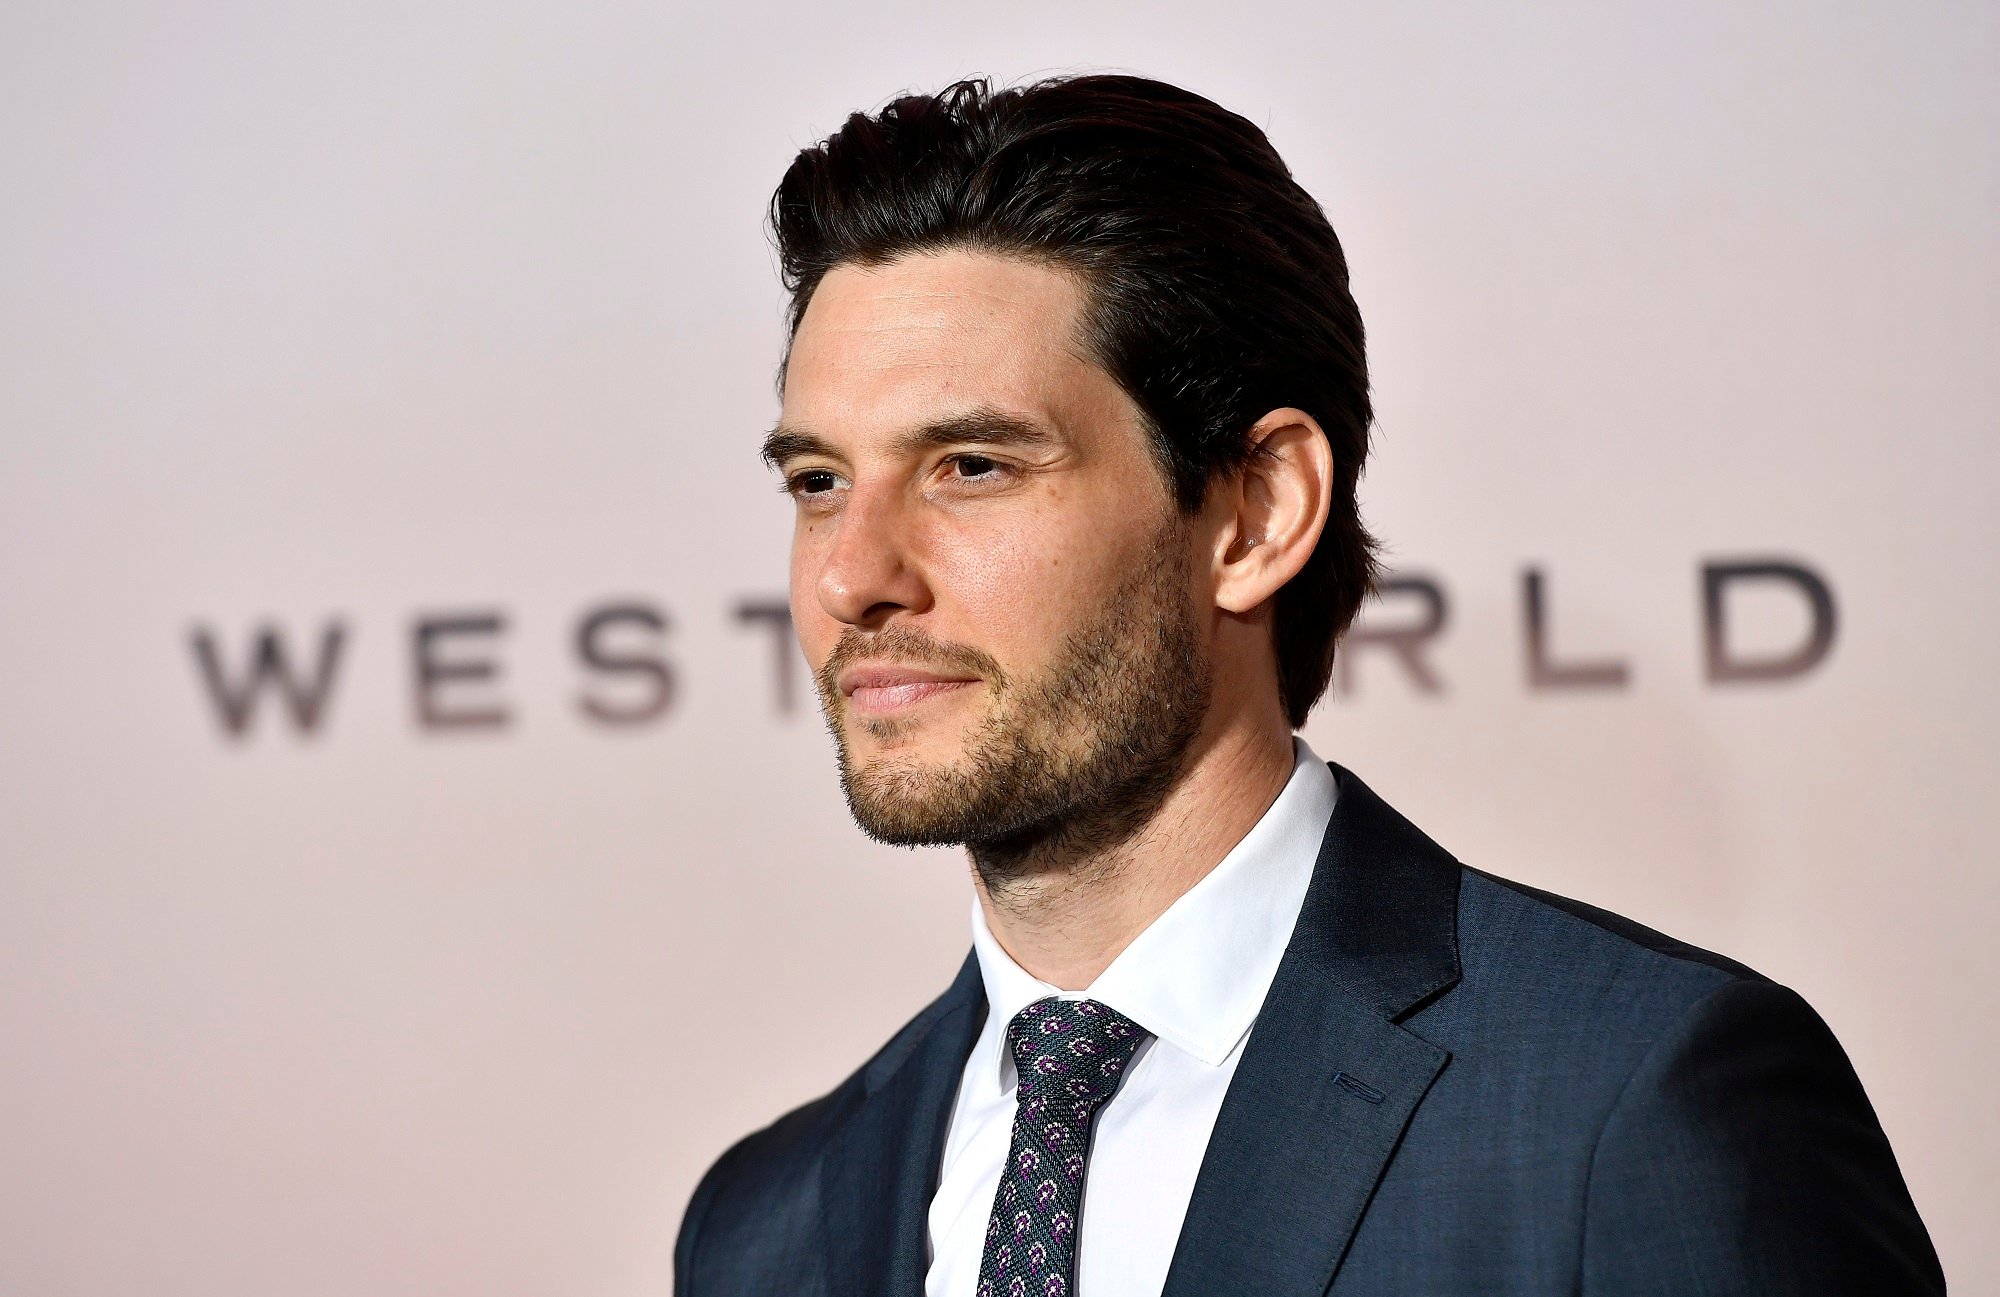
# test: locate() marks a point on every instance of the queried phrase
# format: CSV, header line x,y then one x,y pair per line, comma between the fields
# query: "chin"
x,y
905,735
907,746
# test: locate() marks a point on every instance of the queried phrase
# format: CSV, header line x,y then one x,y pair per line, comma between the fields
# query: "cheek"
x,y
1015,592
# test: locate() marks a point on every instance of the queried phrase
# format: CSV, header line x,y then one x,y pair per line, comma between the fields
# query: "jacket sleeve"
x,y
1743,1158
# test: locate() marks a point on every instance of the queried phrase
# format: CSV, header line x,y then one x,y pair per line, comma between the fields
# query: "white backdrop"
x,y
366,316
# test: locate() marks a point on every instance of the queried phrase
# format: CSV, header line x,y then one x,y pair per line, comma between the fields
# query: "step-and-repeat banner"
x,y
419,851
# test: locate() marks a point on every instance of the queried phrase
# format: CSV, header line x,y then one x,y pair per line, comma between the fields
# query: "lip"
x,y
880,687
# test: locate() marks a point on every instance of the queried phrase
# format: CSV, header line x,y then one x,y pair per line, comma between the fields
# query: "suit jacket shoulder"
x,y
1627,1113
755,1220
761,1181
1587,967
1554,1099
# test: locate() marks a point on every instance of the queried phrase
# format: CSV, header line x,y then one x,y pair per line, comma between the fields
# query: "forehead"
x,y
893,346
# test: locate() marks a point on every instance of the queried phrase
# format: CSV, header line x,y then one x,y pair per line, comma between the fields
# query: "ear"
x,y
1273,511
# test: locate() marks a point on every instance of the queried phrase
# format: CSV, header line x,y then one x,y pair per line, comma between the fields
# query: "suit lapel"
x,y
881,1167
1328,1080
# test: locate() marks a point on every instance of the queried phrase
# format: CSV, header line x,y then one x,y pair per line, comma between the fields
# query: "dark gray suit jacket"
x,y
1457,1085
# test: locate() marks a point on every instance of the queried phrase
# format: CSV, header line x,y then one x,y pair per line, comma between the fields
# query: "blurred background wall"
x,y
419,855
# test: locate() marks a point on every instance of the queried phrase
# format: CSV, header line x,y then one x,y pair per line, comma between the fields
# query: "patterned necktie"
x,y
1068,1055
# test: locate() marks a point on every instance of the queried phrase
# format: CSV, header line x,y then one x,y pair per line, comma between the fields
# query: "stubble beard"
x,y
1063,766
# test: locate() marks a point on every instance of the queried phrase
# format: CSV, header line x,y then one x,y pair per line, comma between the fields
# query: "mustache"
x,y
908,646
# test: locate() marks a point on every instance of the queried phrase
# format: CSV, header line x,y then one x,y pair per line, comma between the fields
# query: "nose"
x,y
867,572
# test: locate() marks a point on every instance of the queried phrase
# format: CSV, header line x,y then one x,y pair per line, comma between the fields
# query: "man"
x,y
1074,409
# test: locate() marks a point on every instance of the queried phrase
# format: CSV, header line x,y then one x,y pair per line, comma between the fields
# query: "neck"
x,y
1085,897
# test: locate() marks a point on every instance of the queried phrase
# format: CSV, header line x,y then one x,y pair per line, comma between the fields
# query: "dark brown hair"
x,y
1217,290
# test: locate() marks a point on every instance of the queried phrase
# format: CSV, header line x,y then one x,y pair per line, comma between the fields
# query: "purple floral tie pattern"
x,y
1069,1056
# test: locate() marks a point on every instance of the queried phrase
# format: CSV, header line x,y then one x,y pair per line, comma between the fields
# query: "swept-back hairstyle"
x,y
1216,291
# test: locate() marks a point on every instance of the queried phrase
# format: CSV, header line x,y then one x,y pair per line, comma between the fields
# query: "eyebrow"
x,y
982,426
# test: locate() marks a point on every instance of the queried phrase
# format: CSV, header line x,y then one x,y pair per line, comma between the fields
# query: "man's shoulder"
x,y
1562,1007
777,1162
1492,949
1580,961
1578,931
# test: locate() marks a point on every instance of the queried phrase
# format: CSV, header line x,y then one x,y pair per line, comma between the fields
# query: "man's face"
x,y
989,576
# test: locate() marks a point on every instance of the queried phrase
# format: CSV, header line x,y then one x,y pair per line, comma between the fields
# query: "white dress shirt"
x,y
1195,979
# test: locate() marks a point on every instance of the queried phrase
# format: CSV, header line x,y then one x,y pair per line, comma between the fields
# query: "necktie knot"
x,y
1070,1051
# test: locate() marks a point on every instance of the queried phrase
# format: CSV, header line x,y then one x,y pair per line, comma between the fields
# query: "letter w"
x,y
270,665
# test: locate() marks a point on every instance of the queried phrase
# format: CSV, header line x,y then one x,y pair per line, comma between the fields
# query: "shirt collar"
x,y
1197,976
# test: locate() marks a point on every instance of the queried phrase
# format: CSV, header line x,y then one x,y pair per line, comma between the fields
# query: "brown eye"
x,y
812,482
974,465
